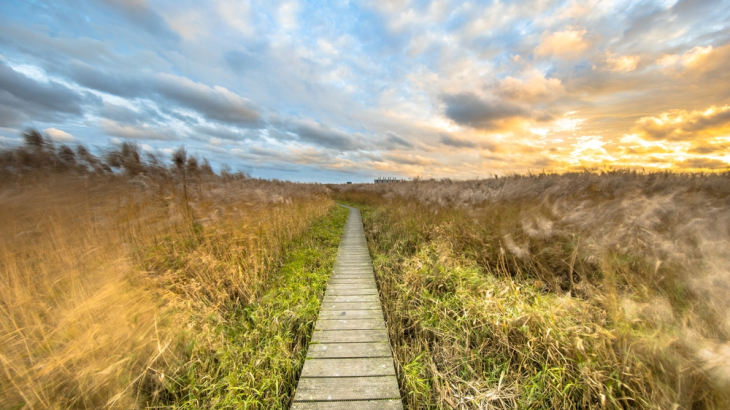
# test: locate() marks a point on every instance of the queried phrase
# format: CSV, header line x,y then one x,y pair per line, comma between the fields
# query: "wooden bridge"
x,y
349,363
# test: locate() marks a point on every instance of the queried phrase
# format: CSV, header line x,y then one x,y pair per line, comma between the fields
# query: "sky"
x,y
335,91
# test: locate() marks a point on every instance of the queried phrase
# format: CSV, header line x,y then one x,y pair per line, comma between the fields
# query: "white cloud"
x,y
237,14
58,135
287,15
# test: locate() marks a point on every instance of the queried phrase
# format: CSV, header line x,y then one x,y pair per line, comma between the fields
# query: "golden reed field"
x,y
127,283
588,290
105,277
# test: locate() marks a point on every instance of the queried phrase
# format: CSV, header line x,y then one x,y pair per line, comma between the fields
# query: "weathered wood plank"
x,y
349,336
350,286
352,275
349,324
352,282
347,388
350,405
349,362
351,314
342,299
339,280
351,306
347,291
332,350
350,367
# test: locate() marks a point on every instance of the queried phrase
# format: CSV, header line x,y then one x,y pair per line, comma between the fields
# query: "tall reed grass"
x,y
114,270
556,291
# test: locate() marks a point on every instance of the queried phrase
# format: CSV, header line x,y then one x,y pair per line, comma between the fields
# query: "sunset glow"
x,y
349,90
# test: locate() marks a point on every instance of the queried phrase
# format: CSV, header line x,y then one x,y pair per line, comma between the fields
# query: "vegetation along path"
x,y
349,358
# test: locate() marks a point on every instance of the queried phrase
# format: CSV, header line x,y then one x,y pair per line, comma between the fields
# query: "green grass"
x,y
465,336
258,350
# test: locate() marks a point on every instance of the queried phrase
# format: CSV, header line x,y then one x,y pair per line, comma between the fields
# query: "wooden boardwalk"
x,y
349,363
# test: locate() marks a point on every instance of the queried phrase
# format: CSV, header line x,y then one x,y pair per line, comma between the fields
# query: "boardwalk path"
x,y
349,362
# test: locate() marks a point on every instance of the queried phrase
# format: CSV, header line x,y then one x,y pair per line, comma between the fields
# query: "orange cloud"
x,y
703,163
567,44
698,60
696,57
622,64
681,125
535,87
705,147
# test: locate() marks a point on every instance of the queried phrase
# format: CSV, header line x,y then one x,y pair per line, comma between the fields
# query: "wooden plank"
x,y
354,263
349,324
353,267
350,367
349,336
351,292
351,314
351,306
349,405
350,286
347,388
332,350
360,277
350,298
352,275
352,282
342,299
337,280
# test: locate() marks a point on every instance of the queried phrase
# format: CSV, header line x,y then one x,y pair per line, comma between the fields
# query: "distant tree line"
x,y
39,155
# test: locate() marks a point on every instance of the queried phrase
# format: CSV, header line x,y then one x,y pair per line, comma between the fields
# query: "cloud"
x,y
138,13
287,15
226,133
452,141
409,159
647,150
681,125
622,64
704,147
214,103
238,15
58,135
703,163
125,131
124,114
469,109
567,44
324,136
397,141
23,98
534,88
245,60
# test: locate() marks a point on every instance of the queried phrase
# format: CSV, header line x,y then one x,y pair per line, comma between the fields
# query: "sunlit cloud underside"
x,y
348,90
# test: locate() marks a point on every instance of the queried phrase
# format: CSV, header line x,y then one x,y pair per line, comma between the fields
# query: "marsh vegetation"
x,y
128,283
575,291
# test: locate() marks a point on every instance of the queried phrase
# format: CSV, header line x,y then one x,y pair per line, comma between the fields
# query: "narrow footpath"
x,y
349,363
